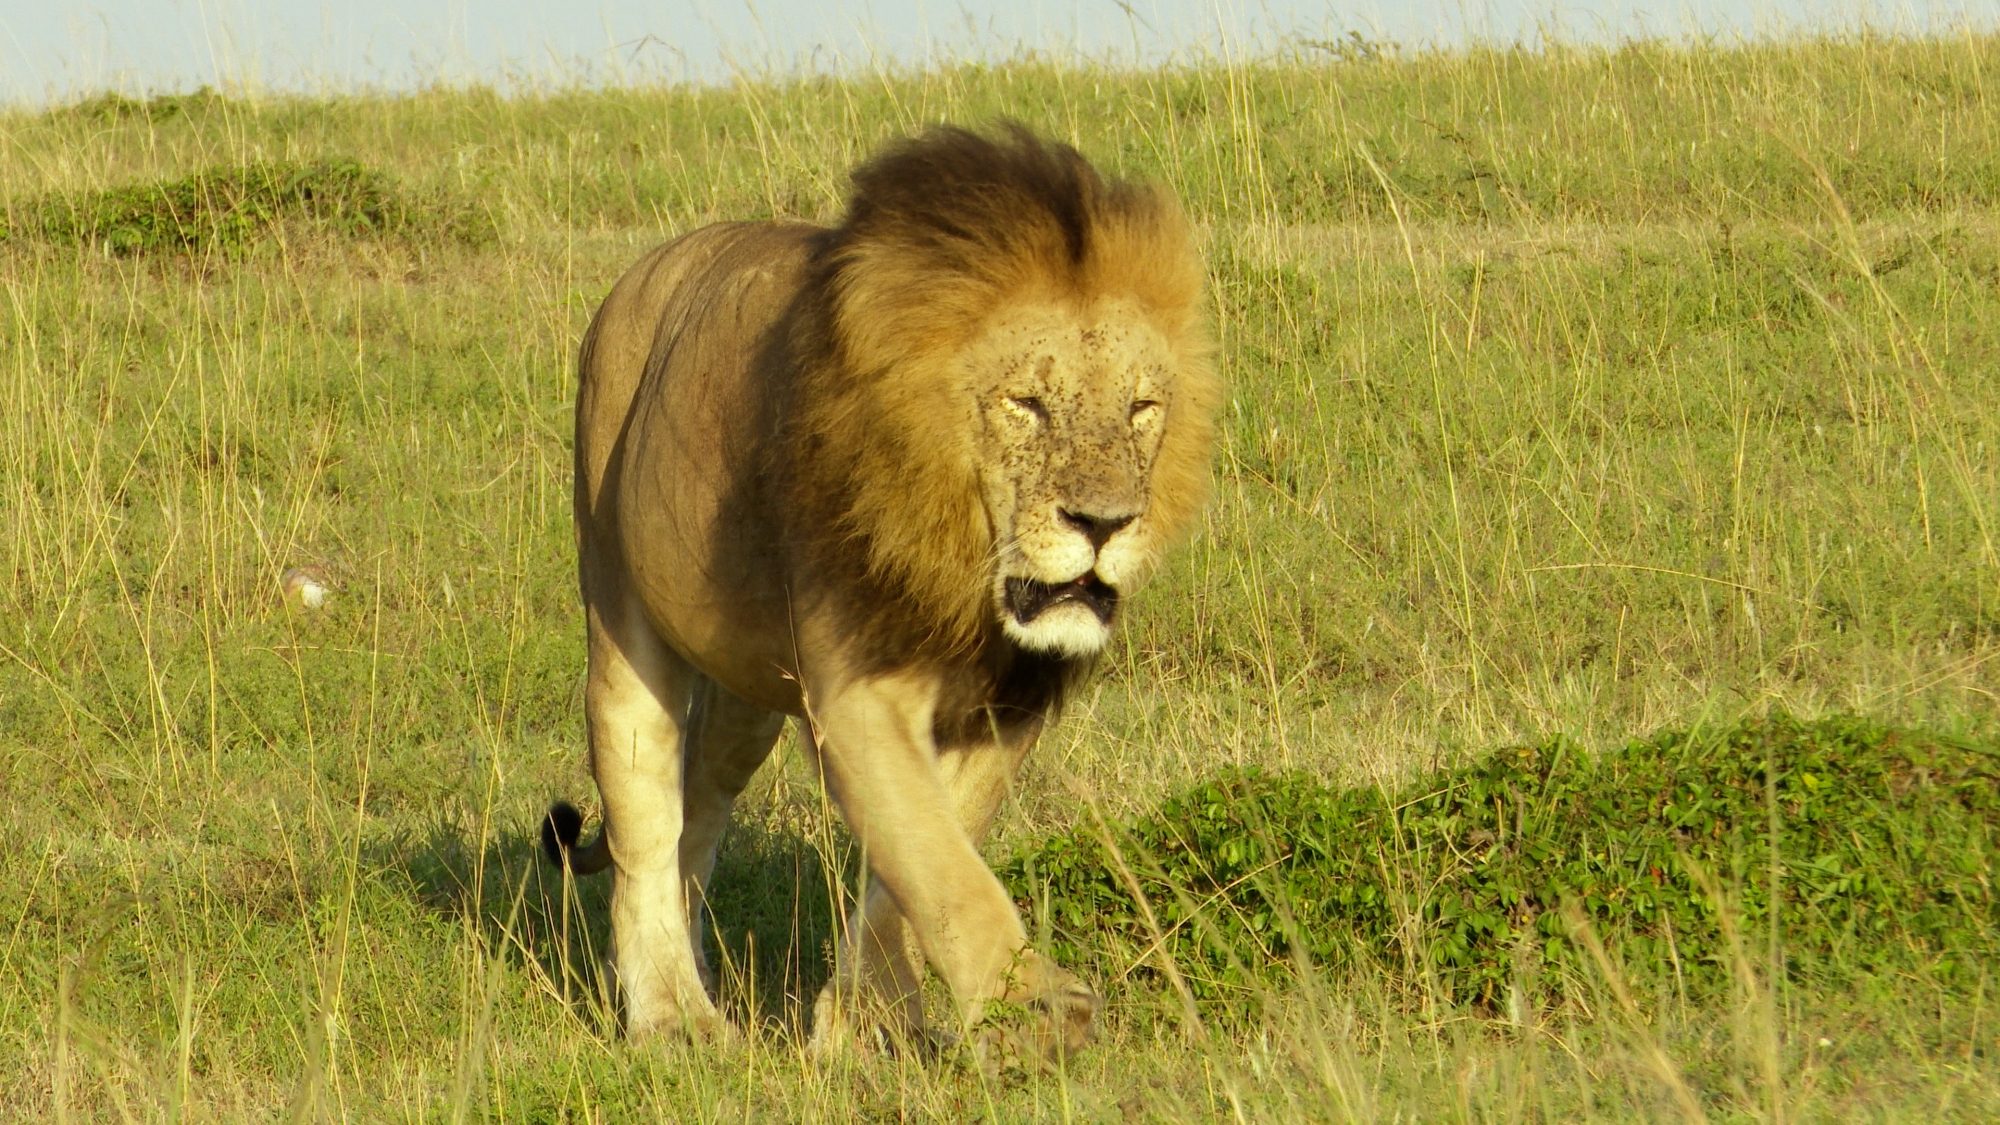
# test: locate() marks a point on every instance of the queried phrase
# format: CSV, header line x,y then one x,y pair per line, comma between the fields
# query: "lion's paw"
x,y
687,1022
1037,1033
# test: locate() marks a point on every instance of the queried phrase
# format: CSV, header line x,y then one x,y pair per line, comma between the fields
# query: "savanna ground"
x,y
1583,392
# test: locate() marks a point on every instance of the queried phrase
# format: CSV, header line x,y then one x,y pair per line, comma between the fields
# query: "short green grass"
x,y
1581,393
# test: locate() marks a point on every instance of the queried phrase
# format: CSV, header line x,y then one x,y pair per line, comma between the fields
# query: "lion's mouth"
x,y
1028,599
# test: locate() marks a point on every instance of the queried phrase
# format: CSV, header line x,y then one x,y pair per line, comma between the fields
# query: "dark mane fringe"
x,y
1005,690
968,197
974,202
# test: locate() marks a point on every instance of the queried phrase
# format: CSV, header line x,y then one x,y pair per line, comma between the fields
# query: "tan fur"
x,y
894,476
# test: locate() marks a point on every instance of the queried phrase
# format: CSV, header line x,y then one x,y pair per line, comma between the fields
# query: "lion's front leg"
x,y
917,819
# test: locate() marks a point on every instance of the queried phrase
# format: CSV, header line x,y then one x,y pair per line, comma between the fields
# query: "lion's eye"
x,y
1031,406
1142,409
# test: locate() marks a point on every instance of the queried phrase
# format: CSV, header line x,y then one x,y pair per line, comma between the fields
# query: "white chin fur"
x,y
1062,630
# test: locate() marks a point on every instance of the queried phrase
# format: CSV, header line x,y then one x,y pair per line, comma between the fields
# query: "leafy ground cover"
x,y
1842,849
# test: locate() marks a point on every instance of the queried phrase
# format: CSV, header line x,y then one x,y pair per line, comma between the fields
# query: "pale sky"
x,y
54,50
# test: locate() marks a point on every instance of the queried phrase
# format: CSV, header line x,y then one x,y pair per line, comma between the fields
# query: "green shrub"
x,y
115,107
226,208
1875,845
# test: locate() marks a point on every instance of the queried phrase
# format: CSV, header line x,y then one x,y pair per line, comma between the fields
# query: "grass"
x,y
1583,393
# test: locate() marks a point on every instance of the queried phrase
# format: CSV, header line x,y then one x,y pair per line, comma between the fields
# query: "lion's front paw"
x,y
692,1024
658,1014
1040,1030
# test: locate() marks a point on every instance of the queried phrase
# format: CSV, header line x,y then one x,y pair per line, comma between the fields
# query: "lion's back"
x,y
713,291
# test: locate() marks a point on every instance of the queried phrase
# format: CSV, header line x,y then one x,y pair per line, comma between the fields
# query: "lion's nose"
x,y
1096,528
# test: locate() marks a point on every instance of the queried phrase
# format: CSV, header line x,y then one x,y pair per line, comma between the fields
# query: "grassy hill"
x,y
1582,395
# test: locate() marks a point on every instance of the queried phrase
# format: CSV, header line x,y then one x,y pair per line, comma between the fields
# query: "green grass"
x,y
1584,394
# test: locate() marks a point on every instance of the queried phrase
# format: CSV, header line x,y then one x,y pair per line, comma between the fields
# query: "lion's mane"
x,y
875,459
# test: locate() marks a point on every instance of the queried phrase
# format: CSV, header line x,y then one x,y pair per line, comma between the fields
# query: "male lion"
x,y
894,477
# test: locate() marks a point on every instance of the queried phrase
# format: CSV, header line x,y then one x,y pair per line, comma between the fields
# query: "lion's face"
x,y
1072,408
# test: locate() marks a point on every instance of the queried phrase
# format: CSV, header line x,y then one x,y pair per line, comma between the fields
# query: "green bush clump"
x,y
112,106
1871,849
226,208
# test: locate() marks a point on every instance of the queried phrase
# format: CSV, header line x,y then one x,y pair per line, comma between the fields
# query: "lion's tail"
x,y
560,831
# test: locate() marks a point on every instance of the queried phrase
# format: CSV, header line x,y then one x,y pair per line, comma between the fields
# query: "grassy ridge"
x,y
1848,851
224,210
1583,392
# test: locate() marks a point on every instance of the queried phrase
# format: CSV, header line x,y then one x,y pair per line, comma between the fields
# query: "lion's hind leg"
x,y
727,741
636,696
877,983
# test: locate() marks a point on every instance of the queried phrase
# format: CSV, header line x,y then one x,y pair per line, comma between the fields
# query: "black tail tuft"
x,y
560,832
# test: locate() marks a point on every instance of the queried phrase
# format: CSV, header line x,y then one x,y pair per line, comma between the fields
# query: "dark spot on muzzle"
x,y
1028,599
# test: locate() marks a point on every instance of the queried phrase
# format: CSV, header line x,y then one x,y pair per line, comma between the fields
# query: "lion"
x,y
894,478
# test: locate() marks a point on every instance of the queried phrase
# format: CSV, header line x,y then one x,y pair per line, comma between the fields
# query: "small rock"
x,y
305,586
